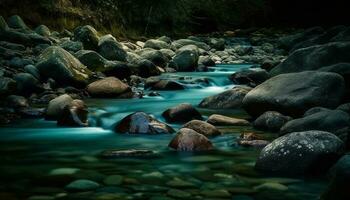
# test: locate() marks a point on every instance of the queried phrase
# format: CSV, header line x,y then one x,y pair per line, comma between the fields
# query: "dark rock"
x,y
300,153
64,68
146,68
141,123
43,31
314,58
242,50
82,185
202,127
7,86
334,121
342,36
132,153
71,46
27,84
289,41
184,42
250,77
186,59
108,87
56,106
229,99
110,49
17,102
252,140
217,43
12,46
189,140
28,39
206,61
156,44
271,121
220,120
19,63
31,69
16,22
181,113
3,24
88,36
155,83
74,114
155,56
344,107
294,93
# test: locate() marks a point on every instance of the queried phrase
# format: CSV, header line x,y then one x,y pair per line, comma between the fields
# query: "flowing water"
x,y
31,149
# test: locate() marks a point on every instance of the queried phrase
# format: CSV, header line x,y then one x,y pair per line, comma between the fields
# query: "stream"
x,y
31,150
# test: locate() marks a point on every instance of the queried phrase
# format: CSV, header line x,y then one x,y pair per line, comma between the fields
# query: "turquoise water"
x,y
30,149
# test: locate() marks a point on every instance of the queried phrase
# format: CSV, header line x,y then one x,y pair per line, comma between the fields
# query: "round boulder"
x,y
202,127
271,121
75,114
108,87
181,113
189,140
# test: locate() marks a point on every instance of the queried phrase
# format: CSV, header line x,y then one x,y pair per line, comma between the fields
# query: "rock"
x,y
19,63
181,113
17,102
72,46
184,42
314,58
271,121
339,184
82,185
147,69
7,86
16,22
108,87
168,53
63,171
271,187
289,41
179,183
342,36
251,77
218,44
202,127
252,140
206,61
58,64
300,153
165,39
344,107
220,120
243,50
141,123
3,24
75,114
218,193
27,84
92,60
113,180
132,153
43,31
88,36
155,56
294,93
229,99
32,113
28,39
56,106
155,83
189,140
110,49
334,121
156,44
178,194
31,69
186,59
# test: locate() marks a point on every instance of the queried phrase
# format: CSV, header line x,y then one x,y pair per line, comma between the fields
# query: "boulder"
x,y
333,121
288,42
29,39
220,120
146,68
189,140
71,46
300,153
155,56
229,99
184,42
156,44
294,93
155,83
88,36
56,106
74,114
181,113
82,185
43,30
17,102
206,61
108,87
314,58
3,24
202,127
217,44
252,140
27,84
186,59
271,121
110,49
16,22
251,77
58,64
7,86
141,123
31,69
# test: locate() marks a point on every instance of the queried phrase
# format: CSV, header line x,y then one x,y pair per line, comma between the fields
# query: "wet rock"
x,y
82,185
110,49
220,120
313,58
184,42
16,22
168,52
64,68
92,60
229,99
56,106
71,46
156,44
27,84
43,31
88,36
181,113
242,50
186,59
141,123
155,56
334,121
17,102
294,93
132,153
250,77
75,114
190,140
252,140
7,86
271,121
300,153
31,69
202,127
339,184
206,61
108,87
155,83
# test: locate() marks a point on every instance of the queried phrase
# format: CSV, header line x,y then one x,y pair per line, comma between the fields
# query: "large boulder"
x,y
189,140
220,120
27,84
74,114
202,127
334,121
181,113
294,93
314,58
186,59
251,77
289,41
229,99
108,87
141,123
156,44
155,83
271,121
155,56
7,86
184,42
111,49
58,64
300,153
29,39
56,106
88,36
